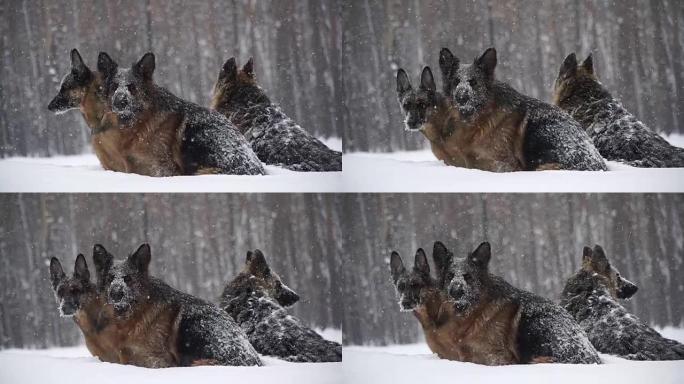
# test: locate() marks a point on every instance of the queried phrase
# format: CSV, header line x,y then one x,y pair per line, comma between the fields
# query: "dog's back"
x,y
616,133
610,327
275,138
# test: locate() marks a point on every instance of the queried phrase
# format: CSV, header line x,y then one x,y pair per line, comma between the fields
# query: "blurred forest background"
x,y
296,45
637,46
198,243
536,242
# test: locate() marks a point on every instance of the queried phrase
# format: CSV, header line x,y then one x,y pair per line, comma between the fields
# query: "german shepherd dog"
x,y
591,297
496,128
276,139
540,330
256,298
166,327
617,133
444,330
82,89
165,135
79,299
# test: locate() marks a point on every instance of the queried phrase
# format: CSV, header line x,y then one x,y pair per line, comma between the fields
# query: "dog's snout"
x,y
456,290
116,294
120,101
461,97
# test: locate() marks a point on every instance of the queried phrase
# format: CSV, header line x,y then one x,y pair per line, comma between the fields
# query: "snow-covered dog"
x,y
542,331
79,299
590,296
616,133
256,298
166,135
82,89
448,335
165,327
495,117
275,138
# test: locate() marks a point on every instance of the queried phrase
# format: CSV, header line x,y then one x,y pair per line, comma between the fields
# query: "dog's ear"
x,y
599,259
403,82
145,66
248,68
442,259
81,271
420,263
586,254
448,63
256,262
229,70
106,65
78,67
480,256
487,62
141,258
427,81
396,266
103,261
56,272
588,65
569,67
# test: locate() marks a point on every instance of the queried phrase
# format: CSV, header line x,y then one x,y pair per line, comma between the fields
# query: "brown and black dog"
x,y
487,337
82,89
165,135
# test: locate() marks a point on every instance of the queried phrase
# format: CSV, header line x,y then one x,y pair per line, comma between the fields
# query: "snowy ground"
x,y
83,173
420,171
414,363
76,365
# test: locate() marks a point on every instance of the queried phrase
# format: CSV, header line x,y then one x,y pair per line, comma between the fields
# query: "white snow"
x,y
83,173
414,363
420,171
76,365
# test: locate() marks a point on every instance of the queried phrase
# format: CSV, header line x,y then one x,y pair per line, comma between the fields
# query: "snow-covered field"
x,y
420,171
76,365
83,173
415,363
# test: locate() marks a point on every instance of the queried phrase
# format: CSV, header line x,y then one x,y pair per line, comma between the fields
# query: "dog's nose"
x,y
120,102
461,97
455,290
116,294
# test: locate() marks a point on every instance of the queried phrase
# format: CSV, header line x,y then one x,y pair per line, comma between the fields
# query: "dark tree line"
x,y
296,46
536,242
198,243
637,46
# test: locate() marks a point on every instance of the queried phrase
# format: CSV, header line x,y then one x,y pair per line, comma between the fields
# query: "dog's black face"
x,y
410,285
467,279
470,85
126,283
417,106
128,90
574,79
268,281
74,86
596,262
73,293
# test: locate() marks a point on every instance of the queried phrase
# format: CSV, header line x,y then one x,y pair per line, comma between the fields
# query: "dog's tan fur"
x,y
493,142
487,335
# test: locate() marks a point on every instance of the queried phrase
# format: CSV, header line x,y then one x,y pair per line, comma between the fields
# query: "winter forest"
x,y
198,244
536,242
296,46
637,47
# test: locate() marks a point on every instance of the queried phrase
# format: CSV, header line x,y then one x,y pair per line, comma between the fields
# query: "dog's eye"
x,y
467,277
471,82
127,279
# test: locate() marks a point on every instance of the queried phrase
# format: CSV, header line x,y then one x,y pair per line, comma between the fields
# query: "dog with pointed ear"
x,y
72,293
74,87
